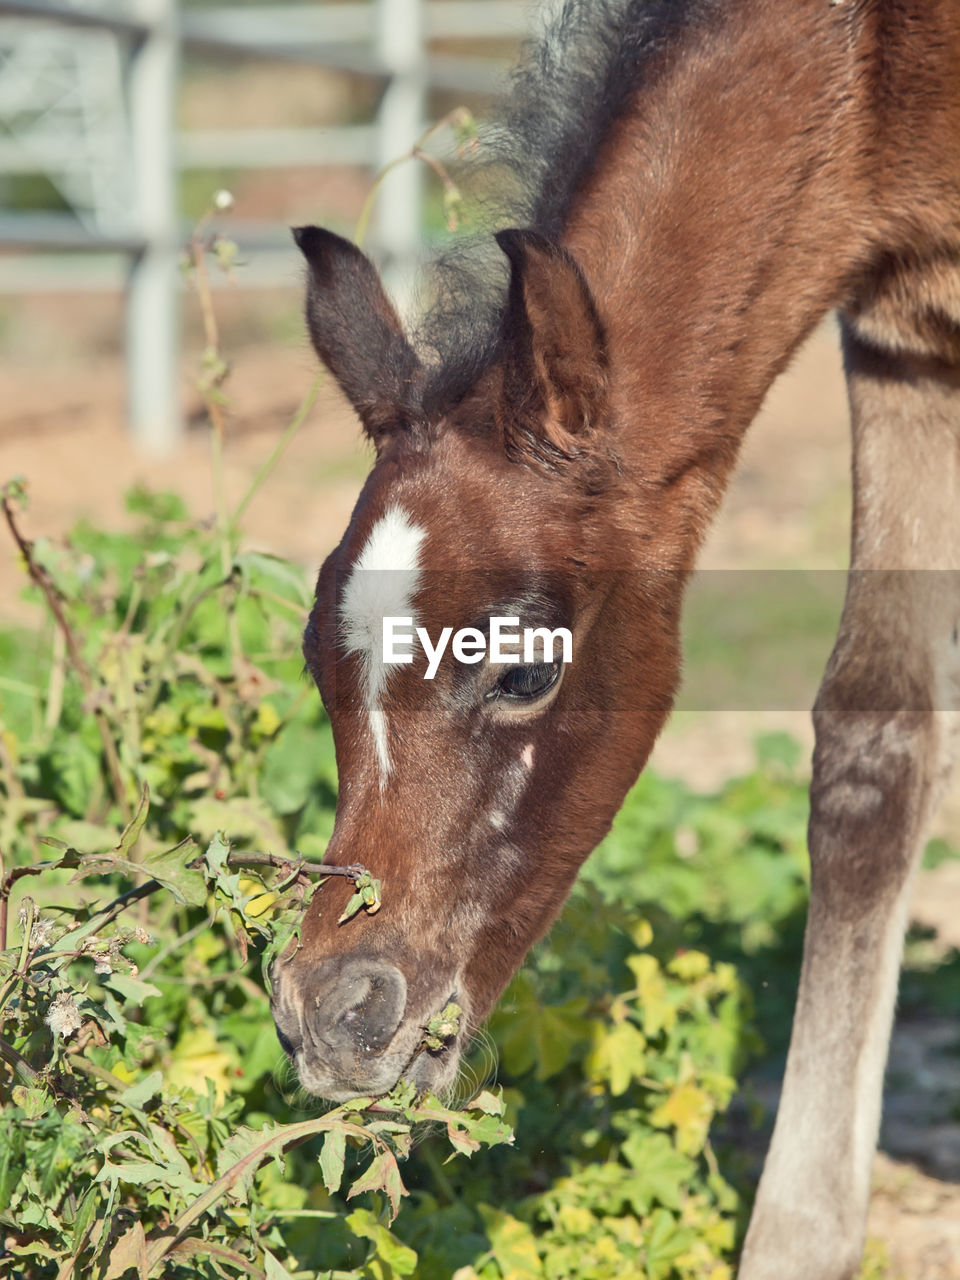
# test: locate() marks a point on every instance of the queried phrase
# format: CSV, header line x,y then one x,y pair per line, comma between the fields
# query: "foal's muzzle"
x,y
338,1024
352,1026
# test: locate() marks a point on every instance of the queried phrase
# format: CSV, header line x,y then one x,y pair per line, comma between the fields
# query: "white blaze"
x,y
383,582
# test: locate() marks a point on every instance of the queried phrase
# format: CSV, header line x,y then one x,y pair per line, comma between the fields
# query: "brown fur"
x,y
774,161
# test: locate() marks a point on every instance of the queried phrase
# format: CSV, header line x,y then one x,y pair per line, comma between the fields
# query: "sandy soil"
x,y
62,425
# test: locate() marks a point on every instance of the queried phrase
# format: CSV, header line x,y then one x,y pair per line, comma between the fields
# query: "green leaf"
x,y
217,852
159,505
665,1242
139,1094
387,1247
133,829
689,1110
243,1152
86,1212
73,773
662,1175
366,897
442,1027
280,573
170,868
275,948
532,1033
618,1055
245,817
135,1172
777,748
512,1243
487,1102
273,1268
292,763
332,1155
382,1174
354,905
34,1101
131,989
84,837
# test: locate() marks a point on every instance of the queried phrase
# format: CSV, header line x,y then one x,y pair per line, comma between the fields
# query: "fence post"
x,y
400,122
152,317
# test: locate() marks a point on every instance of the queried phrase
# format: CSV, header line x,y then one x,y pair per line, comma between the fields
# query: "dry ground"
x,y
62,425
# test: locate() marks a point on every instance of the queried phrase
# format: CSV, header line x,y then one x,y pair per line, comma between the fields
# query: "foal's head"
x,y
475,795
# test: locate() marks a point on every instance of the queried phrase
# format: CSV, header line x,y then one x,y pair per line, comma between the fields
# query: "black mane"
x,y
573,84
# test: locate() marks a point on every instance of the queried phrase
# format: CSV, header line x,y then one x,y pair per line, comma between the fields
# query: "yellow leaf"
x,y
268,722
641,933
575,1219
688,1110
259,903
689,965
617,1056
657,1012
197,1058
513,1244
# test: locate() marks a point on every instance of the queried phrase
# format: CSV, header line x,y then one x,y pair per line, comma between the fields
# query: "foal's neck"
x,y
721,222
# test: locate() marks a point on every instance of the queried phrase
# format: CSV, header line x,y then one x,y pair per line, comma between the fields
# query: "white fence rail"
x,y
114,151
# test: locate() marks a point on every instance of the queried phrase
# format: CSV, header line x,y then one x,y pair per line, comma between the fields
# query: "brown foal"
x,y
699,182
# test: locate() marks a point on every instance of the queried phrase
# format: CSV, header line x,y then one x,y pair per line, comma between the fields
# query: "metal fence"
x,y
88,95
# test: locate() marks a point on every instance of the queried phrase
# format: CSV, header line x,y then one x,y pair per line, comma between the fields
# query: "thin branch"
x,y
295,864
110,912
292,866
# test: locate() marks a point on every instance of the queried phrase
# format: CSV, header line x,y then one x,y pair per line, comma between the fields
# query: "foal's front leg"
x,y
883,746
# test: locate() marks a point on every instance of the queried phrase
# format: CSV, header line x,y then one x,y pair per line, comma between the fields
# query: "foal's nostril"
x,y
364,1008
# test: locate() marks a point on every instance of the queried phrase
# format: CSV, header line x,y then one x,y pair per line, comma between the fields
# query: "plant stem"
x,y
276,1142
55,685
97,1073
305,1213
415,153
27,930
164,953
19,1063
51,594
354,871
276,453
19,686
210,390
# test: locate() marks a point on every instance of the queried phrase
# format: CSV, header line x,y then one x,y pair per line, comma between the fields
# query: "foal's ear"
x,y
554,354
357,334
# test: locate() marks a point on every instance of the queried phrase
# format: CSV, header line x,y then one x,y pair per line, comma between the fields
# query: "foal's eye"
x,y
522,684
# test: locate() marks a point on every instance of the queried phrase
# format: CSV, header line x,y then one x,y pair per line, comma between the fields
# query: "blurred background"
x,y
120,123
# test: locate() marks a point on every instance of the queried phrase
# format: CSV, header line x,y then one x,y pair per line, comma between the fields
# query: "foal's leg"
x,y
884,720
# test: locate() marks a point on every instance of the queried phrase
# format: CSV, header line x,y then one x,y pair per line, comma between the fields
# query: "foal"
x,y
700,181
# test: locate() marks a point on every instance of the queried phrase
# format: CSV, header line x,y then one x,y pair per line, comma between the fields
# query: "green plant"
x,y
122,1147
137,1031
620,1043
